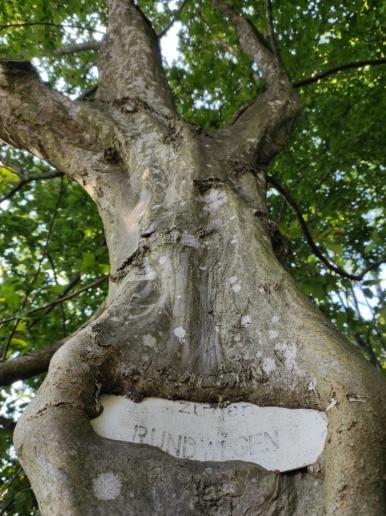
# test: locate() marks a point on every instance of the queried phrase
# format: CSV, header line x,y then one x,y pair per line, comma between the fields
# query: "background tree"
x,y
325,193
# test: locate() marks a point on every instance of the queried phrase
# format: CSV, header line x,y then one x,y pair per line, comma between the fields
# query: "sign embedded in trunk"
x,y
275,438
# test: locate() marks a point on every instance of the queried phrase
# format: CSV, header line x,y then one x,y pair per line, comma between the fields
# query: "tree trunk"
x,y
199,309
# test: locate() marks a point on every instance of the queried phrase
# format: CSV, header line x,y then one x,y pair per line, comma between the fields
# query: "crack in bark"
x,y
203,185
134,259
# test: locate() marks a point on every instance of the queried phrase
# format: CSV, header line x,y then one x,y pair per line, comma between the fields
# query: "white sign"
x,y
273,437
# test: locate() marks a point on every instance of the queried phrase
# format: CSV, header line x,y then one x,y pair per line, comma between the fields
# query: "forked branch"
x,y
253,44
263,127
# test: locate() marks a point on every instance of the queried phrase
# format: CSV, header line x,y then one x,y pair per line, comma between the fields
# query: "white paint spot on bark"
x,y
149,341
179,332
268,365
162,260
236,287
288,351
106,486
215,199
246,320
312,386
189,240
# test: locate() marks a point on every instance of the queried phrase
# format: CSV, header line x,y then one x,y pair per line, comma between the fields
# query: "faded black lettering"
x,y
176,446
184,409
189,447
140,432
275,443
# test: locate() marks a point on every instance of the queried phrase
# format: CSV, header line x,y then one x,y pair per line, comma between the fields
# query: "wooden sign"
x,y
275,438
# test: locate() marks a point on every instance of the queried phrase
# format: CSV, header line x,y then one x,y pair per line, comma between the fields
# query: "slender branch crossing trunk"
x,y
199,308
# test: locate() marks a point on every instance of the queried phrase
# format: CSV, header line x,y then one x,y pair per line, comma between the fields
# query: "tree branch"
x,y
271,31
262,127
27,180
86,46
175,18
130,64
335,69
37,362
253,44
307,235
26,366
45,122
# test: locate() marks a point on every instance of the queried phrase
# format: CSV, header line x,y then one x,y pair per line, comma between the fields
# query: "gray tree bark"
x,y
186,226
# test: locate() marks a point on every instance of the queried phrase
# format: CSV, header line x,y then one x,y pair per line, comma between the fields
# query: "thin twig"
x,y
74,280
175,18
61,299
27,180
366,346
94,283
307,235
47,24
9,482
71,284
62,309
330,71
37,272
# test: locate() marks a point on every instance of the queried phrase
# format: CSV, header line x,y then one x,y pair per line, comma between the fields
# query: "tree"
x,y
189,238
